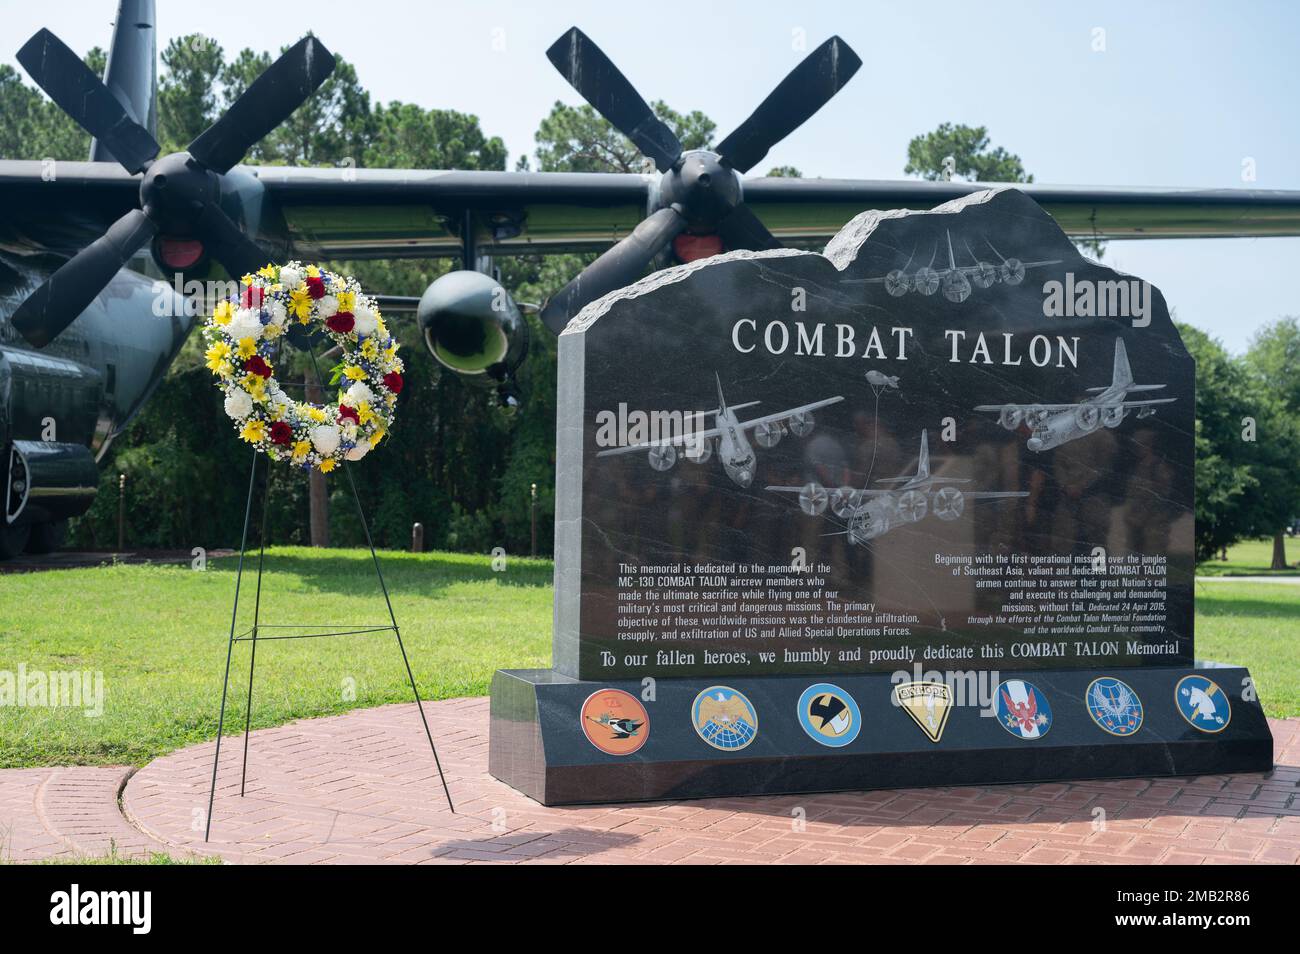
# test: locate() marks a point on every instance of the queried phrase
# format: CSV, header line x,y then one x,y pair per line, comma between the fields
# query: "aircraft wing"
x,y
1152,401
783,415
679,441
418,213
993,494
995,408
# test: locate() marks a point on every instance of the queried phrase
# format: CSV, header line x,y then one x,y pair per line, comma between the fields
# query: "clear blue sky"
x,y
1181,95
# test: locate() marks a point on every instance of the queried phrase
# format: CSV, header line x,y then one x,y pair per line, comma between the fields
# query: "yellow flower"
x,y
217,355
364,414
381,330
370,349
268,271
316,414
300,450
247,348
223,312
272,331
347,300
354,373
390,352
313,271
254,430
255,385
247,279
225,369
300,303
326,465
377,436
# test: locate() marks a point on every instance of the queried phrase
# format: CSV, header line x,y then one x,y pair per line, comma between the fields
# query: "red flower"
x,y
346,413
281,433
252,297
393,381
316,287
340,322
257,365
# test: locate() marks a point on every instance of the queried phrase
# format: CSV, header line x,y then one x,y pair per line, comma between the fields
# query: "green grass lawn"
x,y
1253,558
1255,625
158,634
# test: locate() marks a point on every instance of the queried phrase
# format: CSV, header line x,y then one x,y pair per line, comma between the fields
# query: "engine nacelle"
x,y
472,326
662,457
47,481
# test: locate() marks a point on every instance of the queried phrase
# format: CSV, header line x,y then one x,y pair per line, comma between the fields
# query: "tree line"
x,y
456,462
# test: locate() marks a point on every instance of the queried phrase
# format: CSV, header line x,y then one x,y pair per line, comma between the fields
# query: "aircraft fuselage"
x,y
734,450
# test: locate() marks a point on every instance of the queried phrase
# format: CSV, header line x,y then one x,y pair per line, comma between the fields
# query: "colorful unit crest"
x,y
1114,706
1203,704
928,703
1023,710
615,721
724,718
829,715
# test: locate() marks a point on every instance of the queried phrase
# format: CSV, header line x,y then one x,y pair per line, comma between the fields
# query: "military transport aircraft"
x,y
1051,425
81,343
872,512
955,280
735,452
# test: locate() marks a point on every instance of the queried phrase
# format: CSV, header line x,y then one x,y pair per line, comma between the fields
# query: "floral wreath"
x,y
240,335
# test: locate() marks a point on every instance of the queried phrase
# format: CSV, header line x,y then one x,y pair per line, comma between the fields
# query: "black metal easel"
x,y
252,636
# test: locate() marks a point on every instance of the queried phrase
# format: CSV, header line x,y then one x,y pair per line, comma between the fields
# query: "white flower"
x,y
278,314
349,430
325,438
360,451
329,306
279,399
359,394
290,278
245,324
366,322
238,404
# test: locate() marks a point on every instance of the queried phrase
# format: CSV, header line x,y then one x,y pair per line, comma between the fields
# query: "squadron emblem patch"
x,y
1023,710
724,718
928,703
615,721
1202,703
1114,706
829,715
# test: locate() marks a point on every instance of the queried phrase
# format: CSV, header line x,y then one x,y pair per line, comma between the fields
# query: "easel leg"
x,y
398,633
234,615
257,607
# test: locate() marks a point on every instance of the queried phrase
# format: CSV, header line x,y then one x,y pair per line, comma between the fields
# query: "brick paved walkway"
x,y
361,788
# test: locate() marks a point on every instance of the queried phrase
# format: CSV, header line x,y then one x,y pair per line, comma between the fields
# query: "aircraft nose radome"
x,y
1034,444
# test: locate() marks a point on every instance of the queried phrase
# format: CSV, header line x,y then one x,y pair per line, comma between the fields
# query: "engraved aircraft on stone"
x,y
730,436
873,512
1051,425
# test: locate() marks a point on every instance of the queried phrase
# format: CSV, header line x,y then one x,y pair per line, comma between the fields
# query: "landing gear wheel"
x,y
47,537
12,541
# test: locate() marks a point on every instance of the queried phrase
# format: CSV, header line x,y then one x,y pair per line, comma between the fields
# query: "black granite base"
x,y
538,746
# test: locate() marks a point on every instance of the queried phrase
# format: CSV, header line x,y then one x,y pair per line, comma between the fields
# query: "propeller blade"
x,y
269,101
621,265
807,88
83,96
592,74
742,229
66,293
237,253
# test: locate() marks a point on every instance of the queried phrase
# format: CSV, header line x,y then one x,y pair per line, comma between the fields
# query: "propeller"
x,y
180,193
700,190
